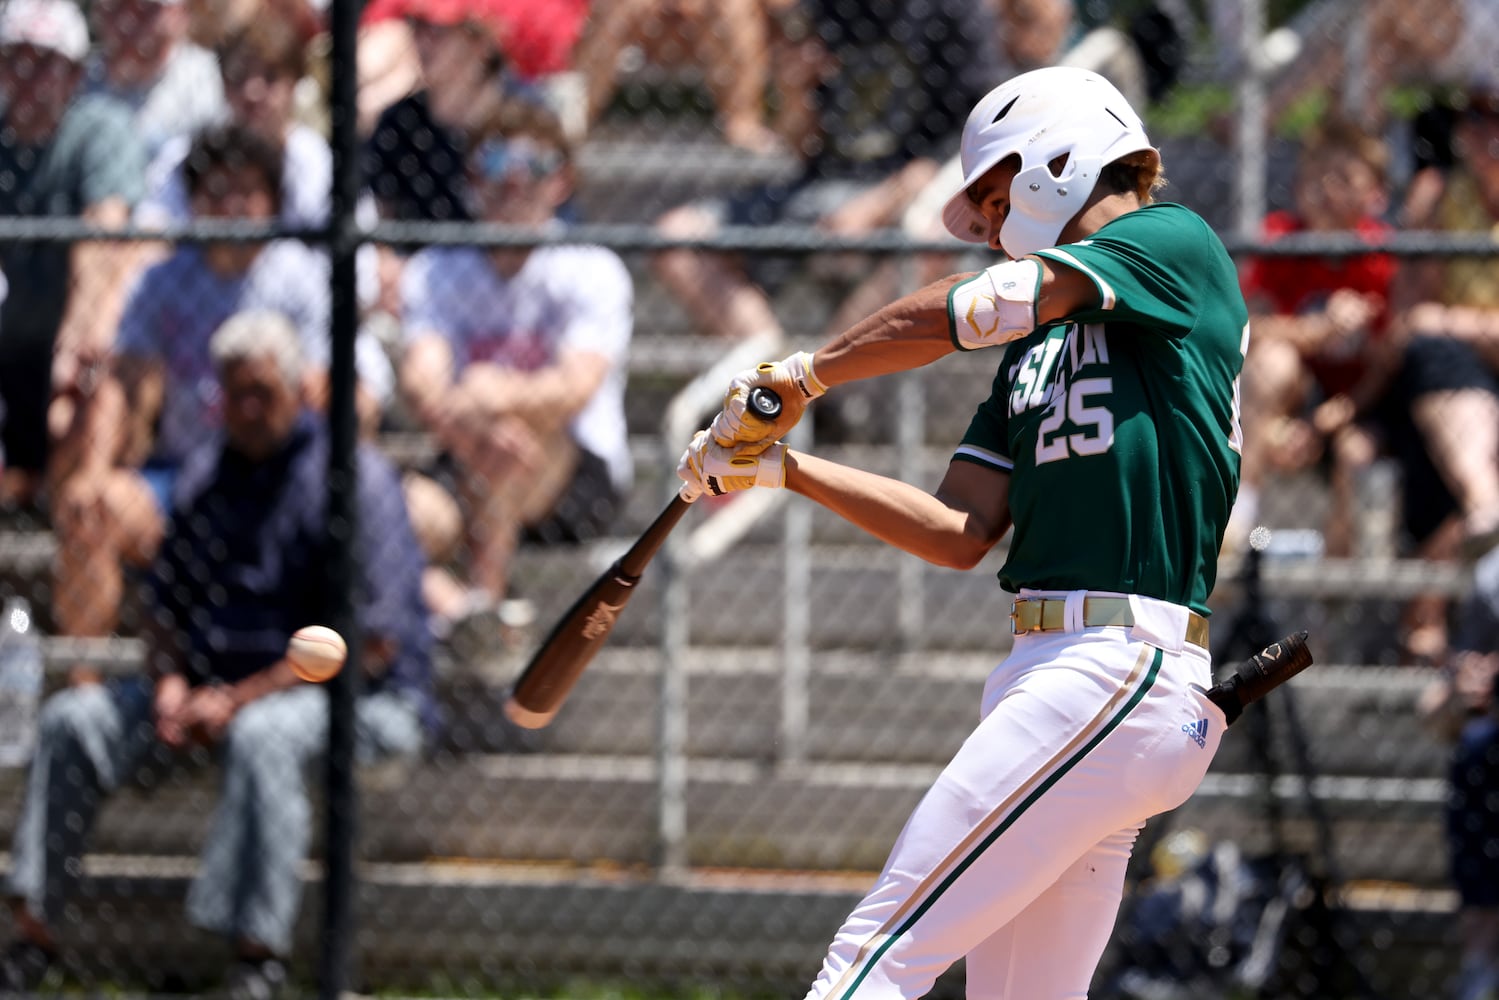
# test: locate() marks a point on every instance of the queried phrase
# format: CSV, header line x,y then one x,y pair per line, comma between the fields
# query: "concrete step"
x,y
537,930
1378,830
917,709
597,809
880,706
1351,607
530,931
451,928
856,600
903,708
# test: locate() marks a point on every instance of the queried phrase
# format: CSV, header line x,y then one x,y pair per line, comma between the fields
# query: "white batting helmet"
x,y
1039,116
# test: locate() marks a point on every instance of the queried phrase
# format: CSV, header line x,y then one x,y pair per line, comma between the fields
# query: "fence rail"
x,y
789,240
721,786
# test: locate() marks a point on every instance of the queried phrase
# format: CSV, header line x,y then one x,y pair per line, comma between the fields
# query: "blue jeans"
x,y
96,737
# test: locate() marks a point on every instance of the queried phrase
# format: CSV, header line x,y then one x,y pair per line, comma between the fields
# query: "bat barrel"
x,y
525,717
541,688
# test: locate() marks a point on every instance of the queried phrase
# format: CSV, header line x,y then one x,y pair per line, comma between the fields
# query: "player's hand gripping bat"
x,y
1275,664
555,667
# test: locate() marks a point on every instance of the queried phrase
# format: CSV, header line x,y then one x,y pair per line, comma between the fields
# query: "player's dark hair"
x,y
231,147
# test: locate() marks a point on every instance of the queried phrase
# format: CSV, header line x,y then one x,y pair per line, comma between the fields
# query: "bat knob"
x,y
764,403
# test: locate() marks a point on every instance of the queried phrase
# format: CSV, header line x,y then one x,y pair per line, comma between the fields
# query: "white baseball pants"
x,y
1016,855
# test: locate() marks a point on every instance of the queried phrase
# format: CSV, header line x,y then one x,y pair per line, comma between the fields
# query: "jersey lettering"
x,y
1072,425
1040,394
1094,425
1096,422
1235,427
1118,416
1032,377
1051,446
1094,347
1027,378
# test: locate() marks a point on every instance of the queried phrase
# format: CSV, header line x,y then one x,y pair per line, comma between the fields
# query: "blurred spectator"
x,y
1163,32
1348,54
536,36
211,21
1320,326
1456,318
261,64
728,41
1461,708
1036,33
540,35
242,569
115,468
1439,415
58,157
388,68
144,60
4,292
896,84
515,361
414,161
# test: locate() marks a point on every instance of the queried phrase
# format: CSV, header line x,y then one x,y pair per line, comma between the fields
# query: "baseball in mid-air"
x,y
316,653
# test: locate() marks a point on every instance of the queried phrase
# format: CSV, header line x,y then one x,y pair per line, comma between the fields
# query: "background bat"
x,y
1273,666
558,662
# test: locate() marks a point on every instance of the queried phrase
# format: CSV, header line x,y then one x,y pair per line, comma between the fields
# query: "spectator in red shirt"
x,y
1320,342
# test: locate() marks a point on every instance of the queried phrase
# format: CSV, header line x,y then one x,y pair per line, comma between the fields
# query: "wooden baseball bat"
x,y
558,662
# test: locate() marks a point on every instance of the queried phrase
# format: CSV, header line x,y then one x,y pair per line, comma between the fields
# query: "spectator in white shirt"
x,y
515,361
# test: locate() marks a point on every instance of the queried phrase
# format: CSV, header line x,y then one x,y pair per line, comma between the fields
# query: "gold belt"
x,y
1050,615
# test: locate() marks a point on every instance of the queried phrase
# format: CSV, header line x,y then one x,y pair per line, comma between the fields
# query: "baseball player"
x,y
1110,442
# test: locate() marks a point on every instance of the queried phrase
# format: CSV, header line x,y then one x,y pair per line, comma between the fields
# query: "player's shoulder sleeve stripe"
x,y
983,456
1105,290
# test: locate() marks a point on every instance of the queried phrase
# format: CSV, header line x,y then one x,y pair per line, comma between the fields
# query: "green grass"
x,y
1191,109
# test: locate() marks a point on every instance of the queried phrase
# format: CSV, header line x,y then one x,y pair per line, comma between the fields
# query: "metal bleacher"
x,y
503,827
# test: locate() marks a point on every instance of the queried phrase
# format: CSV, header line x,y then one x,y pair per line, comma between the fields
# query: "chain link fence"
x,y
505,267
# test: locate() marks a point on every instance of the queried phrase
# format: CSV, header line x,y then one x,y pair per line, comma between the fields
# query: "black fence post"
x,y
343,240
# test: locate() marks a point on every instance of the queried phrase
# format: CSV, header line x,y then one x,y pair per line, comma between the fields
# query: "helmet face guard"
x,y
1061,118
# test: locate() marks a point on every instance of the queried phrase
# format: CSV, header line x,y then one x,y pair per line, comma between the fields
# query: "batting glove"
x,y
708,467
793,380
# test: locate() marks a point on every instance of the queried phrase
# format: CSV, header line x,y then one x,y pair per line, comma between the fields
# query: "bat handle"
x,y
764,403
1270,668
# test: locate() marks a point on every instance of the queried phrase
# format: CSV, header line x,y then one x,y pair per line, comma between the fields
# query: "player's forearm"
x,y
908,333
894,512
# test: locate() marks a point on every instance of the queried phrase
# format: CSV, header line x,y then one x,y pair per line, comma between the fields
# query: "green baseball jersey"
x,y
1120,425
